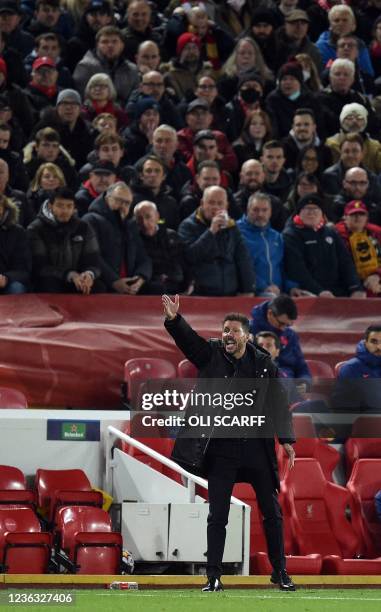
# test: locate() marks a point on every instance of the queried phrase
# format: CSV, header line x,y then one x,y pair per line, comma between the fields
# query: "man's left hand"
x,y
291,455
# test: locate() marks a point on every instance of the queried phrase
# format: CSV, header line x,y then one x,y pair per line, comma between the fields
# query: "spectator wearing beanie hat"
x,y
288,96
315,256
363,241
138,136
182,72
264,22
354,118
17,102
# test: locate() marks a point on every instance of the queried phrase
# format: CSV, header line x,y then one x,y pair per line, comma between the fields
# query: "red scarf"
x,y
87,185
50,92
105,108
297,220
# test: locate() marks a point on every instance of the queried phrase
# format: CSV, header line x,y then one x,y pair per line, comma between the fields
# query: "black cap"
x,y
250,75
10,6
99,6
103,167
197,103
310,198
204,135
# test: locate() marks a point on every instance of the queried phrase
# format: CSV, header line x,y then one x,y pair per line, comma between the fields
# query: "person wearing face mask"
x,y
247,100
288,96
354,118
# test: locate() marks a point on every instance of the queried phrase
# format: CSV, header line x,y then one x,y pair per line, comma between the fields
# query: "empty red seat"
x,y
186,369
56,488
327,456
88,544
319,523
361,448
24,549
12,398
319,369
364,483
13,487
141,369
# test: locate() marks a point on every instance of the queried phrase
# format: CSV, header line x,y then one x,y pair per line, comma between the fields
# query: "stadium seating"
x,y
319,369
186,369
12,398
56,488
23,547
327,456
138,371
361,448
318,520
13,487
364,482
338,367
85,542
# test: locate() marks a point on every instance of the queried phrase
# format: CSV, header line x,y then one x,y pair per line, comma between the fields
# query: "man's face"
x,y
5,137
296,30
280,321
207,89
259,212
120,199
341,79
139,16
304,127
199,20
351,154
49,48
68,111
373,343
4,175
205,150
341,23
5,114
190,54
110,152
356,222
147,219
9,22
152,174
234,338
45,76
148,56
311,215
48,15
153,85
47,150
289,85
354,122
273,160
62,209
262,30
356,183
149,120
98,19
347,48
110,46
199,119
213,203
164,144
268,343
208,177
100,182
252,175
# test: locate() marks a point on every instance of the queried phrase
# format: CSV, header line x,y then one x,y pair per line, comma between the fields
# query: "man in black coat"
x,y
226,460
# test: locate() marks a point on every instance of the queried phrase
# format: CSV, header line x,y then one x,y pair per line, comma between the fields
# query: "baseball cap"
x,y
43,61
355,206
103,167
297,15
197,103
9,6
100,6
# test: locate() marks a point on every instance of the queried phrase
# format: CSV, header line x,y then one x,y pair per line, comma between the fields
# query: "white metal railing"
x,y
191,481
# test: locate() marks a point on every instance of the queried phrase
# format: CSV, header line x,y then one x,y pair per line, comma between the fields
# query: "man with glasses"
x,y
153,86
124,264
277,316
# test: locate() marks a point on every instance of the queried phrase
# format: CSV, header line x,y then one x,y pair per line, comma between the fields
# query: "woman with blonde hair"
x,y
48,178
246,57
100,96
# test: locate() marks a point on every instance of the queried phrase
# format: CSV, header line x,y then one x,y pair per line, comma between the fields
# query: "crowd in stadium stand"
x,y
206,147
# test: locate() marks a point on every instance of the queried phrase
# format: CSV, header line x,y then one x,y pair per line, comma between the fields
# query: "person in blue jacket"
x,y
277,316
358,385
377,502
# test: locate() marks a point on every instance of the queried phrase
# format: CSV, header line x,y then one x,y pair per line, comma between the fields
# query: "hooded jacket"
x,y
14,249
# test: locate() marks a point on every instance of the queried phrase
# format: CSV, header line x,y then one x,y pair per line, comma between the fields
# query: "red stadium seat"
x,y
138,371
327,456
367,427
56,488
319,523
86,538
13,487
337,367
259,561
23,548
186,369
361,448
303,426
319,369
12,398
364,482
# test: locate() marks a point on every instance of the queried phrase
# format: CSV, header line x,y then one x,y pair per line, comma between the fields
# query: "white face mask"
x,y
236,4
306,75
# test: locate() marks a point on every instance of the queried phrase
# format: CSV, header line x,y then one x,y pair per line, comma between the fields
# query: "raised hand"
x,y
170,307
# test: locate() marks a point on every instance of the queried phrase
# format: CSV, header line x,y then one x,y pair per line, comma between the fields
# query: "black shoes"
x,y
283,580
214,584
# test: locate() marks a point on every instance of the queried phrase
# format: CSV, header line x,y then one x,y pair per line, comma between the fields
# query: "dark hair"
x,y
207,163
62,193
301,156
305,111
48,134
269,334
156,159
240,318
46,36
273,144
5,127
310,178
283,304
109,30
370,329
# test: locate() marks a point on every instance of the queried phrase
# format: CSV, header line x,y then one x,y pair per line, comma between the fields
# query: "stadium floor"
x,y
234,600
